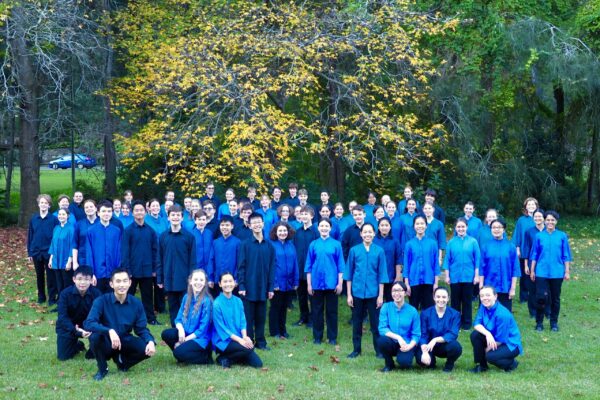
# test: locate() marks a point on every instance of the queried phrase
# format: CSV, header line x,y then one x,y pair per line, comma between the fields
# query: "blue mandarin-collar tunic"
x,y
402,206
433,326
550,252
70,220
403,321
302,240
421,262
103,249
473,225
204,242
270,218
462,259
345,223
223,257
159,224
61,246
408,230
501,324
197,323
126,220
435,230
286,265
393,253
530,236
223,210
523,224
256,268
228,319
77,211
325,260
366,270
499,264
139,250
396,223
108,313
80,238
176,259
39,235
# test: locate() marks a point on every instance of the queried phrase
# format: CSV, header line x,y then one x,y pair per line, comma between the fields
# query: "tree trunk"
x,y
110,153
10,160
563,167
29,158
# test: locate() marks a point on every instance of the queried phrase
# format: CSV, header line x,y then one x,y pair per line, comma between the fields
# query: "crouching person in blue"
x,y
112,318
496,338
439,333
190,339
399,330
74,304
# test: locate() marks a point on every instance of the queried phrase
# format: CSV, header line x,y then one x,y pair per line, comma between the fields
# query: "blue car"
x,y
81,160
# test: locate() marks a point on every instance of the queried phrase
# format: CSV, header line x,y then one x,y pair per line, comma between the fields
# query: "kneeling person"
x,y
74,304
112,318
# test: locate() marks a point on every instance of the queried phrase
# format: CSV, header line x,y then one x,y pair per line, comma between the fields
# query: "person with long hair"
x,y
393,254
530,235
524,223
60,251
190,339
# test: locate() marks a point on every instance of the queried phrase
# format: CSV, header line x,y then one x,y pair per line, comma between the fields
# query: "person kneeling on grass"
x,y
74,304
496,338
112,318
230,339
190,339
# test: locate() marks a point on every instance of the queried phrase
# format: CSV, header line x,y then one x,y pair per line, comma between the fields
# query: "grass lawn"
x,y
554,366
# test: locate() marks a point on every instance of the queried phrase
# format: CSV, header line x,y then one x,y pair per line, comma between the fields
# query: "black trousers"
x,y
62,278
189,352
67,346
421,296
325,300
524,283
362,306
174,299
303,301
278,312
505,301
146,291
390,348
103,285
159,297
133,350
547,291
451,351
41,269
387,292
256,317
238,354
461,299
502,357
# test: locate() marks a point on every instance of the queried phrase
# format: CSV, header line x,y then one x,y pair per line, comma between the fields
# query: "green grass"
x,y
554,366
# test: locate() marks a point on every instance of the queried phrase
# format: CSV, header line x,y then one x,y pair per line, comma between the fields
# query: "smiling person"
x,y
76,207
393,255
190,339
530,235
223,255
60,251
473,223
112,318
224,208
524,222
399,330
305,234
550,265
495,338
439,333
103,248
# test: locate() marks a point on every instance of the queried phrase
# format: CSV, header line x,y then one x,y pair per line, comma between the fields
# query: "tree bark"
x,y
10,159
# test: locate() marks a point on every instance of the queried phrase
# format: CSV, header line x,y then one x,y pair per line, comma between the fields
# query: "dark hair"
x,y
489,287
376,208
226,218
137,203
247,206
293,185
152,200
430,192
175,208
385,218
64,210
500,221
255,215
84,270
273,232
460,219
408,201
119,271
226,273
199,214
322,206
281,206
370,192
105,203
89,201
539,210
208,203
445,289
362,228
402,285
552,213
326,220
63,196
358,207
419,217
308,209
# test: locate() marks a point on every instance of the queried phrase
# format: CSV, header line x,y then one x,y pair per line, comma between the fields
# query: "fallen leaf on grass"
x,y
313,367
210,389
291,355
264,369
43,338
545,340
338,348
281,388
61,374
320,352
126,381
334,359
42,385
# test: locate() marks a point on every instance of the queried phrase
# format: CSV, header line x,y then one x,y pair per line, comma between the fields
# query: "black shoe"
x,y
317,341
224,362
386,369
466,327
448,368
539,327
89,355
513,366
554,327
120,366
264,347
478,369
154,322
100,375
354,354
41,300
379,355
55,309
284,336
332,342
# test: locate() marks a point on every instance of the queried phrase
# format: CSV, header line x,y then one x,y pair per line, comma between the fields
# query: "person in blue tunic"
x,y
403,204
305,234
524,222
473,223
369,208
39,237
324,269
80,232
462,271
117,208
365,275
439,214
126,217
348,220
230,340
499,266
484,234
495,338
530,235
223,255
435,230
284,213
159,224
286,277
399,330
550,265
407,223
439,333
103,248
224,208
421,267
64,204
76,207
393,255
269,215
60,251
204,240
325,212
395,220
190,339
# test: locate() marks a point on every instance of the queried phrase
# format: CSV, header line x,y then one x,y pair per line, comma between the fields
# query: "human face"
x,y
209,209
324,212
297,213
139,212
303,198
82,282
233,207
324,197
62,216
324,229
367,234
487,297
105,214
257,225
384,228
411,206
293,191
371,199
120,282
550,223
200,222
63,203
198,281
265,202
125,209
461,229
175,219
117,206
538,218
490,216
154,208
390,207
77,197
285,213
385,199
429,198
379,213
90,209
408,193
168,205
351,206
441,299
210,190
420,226
170,196
195,206
226,228
128,197
497,230
398,294
245,214
251,194
428,210
276,194
282,233
187,203
359,216
531,207
227,284
469,209
305,217
43,205
229,195
338,211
